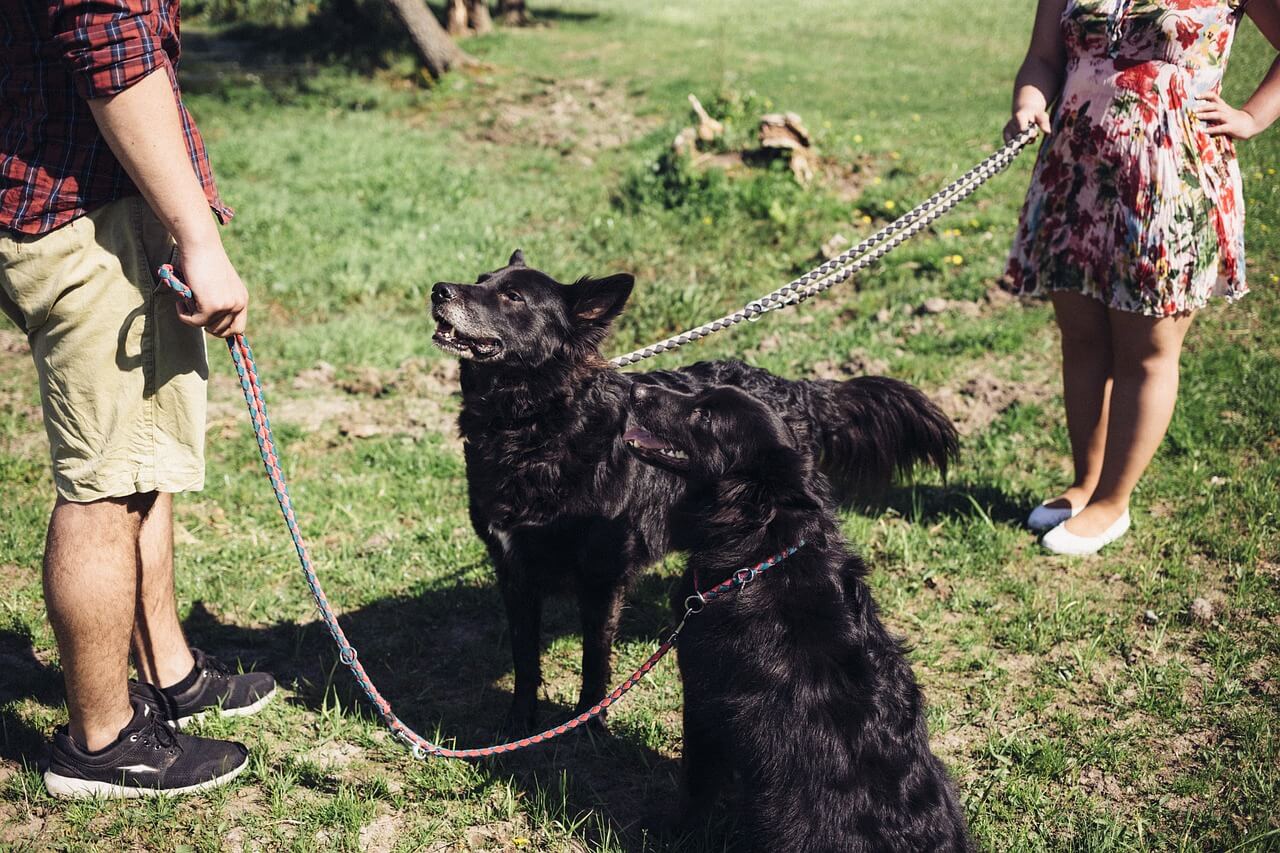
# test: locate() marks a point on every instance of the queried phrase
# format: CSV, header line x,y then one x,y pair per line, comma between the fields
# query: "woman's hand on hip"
x,y
1225,120
1024,118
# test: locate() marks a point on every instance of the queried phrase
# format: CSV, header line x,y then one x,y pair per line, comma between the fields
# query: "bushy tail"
x,y
873,429
865,431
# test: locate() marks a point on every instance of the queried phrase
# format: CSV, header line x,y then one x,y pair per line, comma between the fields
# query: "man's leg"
x,y
159,647
90,588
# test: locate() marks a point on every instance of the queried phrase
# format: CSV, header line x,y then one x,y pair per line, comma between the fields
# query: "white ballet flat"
x,y
1060,540
1044,518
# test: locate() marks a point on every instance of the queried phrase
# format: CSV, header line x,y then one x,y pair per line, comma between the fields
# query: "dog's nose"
x,y
442,292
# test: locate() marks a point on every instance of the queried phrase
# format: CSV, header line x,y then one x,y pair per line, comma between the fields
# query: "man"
x,y
103,178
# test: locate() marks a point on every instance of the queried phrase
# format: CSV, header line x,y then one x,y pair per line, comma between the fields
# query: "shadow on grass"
x,y
24,677
925,504
359,35
442,660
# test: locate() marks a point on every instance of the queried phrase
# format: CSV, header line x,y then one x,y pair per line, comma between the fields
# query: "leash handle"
x,y
251,387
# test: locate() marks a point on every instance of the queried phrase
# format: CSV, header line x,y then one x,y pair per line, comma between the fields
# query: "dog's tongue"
x,y
642,438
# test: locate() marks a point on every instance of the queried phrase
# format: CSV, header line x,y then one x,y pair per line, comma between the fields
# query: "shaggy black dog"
x,y
554,494
791,682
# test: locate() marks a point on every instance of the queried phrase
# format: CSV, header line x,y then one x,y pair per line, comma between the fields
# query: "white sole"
x,y
246,711
1059,540
68,788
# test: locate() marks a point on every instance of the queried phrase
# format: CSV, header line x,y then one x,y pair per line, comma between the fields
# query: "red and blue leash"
x,y
247,371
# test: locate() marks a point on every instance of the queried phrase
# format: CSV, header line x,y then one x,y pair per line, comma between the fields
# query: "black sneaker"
x,y
211,686
149,759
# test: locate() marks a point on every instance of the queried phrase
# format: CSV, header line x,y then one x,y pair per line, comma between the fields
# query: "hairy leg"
x,y
1086,389
1147,351
90,588
159,648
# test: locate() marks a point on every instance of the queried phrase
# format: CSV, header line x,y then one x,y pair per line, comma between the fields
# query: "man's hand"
x,y
142,127
221,305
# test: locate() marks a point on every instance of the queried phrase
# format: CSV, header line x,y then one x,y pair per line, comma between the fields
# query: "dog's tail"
x,y
872,429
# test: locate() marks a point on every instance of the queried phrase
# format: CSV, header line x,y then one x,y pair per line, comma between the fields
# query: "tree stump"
x,y
786,132
513,13
437,50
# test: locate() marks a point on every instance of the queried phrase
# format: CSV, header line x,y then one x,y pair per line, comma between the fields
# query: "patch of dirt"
x,y
13,576
570,116
409,400
13,343
1102,785
13,831
497,837
979,400
332,755
380,835
855,363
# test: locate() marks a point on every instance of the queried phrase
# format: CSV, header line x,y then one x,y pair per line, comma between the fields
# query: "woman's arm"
x,y
1263,108
1040,77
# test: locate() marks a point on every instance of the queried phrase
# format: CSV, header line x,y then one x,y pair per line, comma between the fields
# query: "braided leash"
x,y
251,387
818,280
842,267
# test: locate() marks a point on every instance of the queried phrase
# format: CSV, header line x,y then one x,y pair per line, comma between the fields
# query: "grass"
x,y
1077,703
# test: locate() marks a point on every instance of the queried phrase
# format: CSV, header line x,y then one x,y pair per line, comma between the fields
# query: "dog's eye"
x,y
512,296
701,416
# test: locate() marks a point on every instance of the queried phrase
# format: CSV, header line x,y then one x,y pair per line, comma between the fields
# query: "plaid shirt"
x,y
54,163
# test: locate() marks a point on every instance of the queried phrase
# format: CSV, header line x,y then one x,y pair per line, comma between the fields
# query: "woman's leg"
x,y
1086,385
1145,387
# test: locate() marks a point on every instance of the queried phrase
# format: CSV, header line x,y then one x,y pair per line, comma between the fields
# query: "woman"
x,y
1133,221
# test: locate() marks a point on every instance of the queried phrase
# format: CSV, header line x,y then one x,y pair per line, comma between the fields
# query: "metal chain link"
x,y
842,267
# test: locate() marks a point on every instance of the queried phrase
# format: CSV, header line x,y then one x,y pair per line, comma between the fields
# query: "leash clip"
x,y
675,635
745,576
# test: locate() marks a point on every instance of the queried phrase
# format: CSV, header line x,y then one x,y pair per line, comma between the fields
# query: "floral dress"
x,y
1131,201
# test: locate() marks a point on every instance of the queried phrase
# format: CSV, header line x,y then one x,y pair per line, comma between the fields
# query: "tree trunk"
x,y
438,52
513,13
480,20
457,18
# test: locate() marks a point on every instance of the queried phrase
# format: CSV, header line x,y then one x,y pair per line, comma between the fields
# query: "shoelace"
x,y
157,735
215,667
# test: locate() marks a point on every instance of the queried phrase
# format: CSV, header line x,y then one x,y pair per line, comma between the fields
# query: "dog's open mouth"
x,y
449,340
646,444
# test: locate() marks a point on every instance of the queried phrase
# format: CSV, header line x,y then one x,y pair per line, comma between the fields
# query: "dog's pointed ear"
x,y
517,259
597,301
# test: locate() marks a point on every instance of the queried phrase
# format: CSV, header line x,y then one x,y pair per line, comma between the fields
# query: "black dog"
x,y
792,681
553,492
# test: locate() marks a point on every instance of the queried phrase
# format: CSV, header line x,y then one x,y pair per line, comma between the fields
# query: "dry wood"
x,y
437,50
708,128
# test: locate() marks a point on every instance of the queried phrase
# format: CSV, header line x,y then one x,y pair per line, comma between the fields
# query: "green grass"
x,y
1069,720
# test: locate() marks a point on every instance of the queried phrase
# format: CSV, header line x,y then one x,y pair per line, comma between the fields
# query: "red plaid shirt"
x,y
54,163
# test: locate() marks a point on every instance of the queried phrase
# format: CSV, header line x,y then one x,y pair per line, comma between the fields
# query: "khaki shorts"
x,y
123,382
